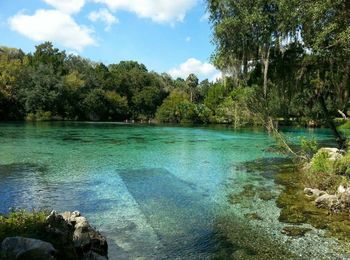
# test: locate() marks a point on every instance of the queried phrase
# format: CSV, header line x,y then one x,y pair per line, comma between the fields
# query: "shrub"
x,y
342,166
308,147
320,163
23,223
39,116
345,126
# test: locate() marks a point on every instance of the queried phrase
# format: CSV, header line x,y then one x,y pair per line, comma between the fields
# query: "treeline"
x,y
282,59
51,85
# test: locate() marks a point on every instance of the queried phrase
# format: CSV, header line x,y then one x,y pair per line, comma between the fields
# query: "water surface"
x,y
156,192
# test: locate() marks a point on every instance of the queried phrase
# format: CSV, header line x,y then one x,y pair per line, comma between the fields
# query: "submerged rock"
x,y
27,248
295,231
253,216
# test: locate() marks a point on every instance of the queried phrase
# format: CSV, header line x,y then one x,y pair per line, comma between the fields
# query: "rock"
x,y
70,228
295,231
70,217
314,192
344,200
27,248
253,216
334,153
327,201
341,189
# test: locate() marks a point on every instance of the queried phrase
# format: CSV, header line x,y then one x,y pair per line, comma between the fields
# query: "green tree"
x,y
192,83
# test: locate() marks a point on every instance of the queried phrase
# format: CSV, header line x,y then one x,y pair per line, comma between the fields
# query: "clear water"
x,y
155,192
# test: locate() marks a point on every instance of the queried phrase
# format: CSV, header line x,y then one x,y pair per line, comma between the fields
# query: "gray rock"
x,y
344,200
27,248
314,192
327,201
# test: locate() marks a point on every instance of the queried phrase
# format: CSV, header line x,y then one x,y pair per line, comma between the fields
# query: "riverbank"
x,y
43,235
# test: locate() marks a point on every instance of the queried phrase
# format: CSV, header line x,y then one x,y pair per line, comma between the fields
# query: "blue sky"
x,y
171,36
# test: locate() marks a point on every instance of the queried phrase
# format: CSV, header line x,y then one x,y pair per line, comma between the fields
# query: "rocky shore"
x,y
331,192
69,236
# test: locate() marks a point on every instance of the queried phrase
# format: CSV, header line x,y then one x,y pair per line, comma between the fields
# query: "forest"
x,y
288,60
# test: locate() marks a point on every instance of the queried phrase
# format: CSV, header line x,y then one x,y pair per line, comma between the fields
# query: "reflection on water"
x,y
155,192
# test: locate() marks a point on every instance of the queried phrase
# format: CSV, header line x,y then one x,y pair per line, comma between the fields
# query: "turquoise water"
x,y
155,192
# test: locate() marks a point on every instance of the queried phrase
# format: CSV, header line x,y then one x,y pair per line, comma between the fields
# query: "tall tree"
x,y
192,84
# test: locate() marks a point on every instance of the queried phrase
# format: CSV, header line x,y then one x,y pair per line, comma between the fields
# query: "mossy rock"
x,y
253,216
294,231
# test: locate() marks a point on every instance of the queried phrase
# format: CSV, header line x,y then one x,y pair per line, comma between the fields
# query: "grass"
x,y
23,223
33,224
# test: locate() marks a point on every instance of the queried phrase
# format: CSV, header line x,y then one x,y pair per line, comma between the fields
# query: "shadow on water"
x,y
173,208
27,182
186,226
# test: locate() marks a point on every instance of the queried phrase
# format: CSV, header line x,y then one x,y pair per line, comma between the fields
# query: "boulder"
x,y
314,192
327,201
27,248
71,228
344,200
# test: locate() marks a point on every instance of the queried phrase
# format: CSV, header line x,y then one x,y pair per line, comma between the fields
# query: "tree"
x,y
192,83
244,32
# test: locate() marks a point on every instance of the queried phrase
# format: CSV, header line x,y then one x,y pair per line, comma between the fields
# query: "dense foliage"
x,y
297,51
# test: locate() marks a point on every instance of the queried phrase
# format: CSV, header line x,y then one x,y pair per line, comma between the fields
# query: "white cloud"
x,y
160,11
201,69
188,39
67,6
105,16
52,25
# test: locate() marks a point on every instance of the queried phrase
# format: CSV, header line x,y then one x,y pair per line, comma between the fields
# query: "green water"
x,y
155,192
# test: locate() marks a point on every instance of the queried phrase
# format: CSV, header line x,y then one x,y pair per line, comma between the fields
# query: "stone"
x,y
341,189
327,201
294,231
314,192
344,200
27,248
77,231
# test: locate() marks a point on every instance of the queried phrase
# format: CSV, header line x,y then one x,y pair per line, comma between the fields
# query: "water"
x,y
155,192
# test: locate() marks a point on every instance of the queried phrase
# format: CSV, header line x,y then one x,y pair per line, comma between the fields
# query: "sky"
x,y
172,36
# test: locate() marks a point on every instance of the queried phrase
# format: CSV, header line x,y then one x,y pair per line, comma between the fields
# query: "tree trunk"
x,y
338,137
266,61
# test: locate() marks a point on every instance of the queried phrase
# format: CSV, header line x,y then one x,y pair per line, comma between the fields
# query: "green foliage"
x,y
23,223
345,126
342,166
327,174
39,116
177,108
171,111
321,163
308,147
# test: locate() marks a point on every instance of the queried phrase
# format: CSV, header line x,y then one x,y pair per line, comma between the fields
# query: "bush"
x,y
320,163
39,116
342,166
308,147
23,223
345,126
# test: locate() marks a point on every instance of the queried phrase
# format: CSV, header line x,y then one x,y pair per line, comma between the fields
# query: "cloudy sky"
x,y
166,35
